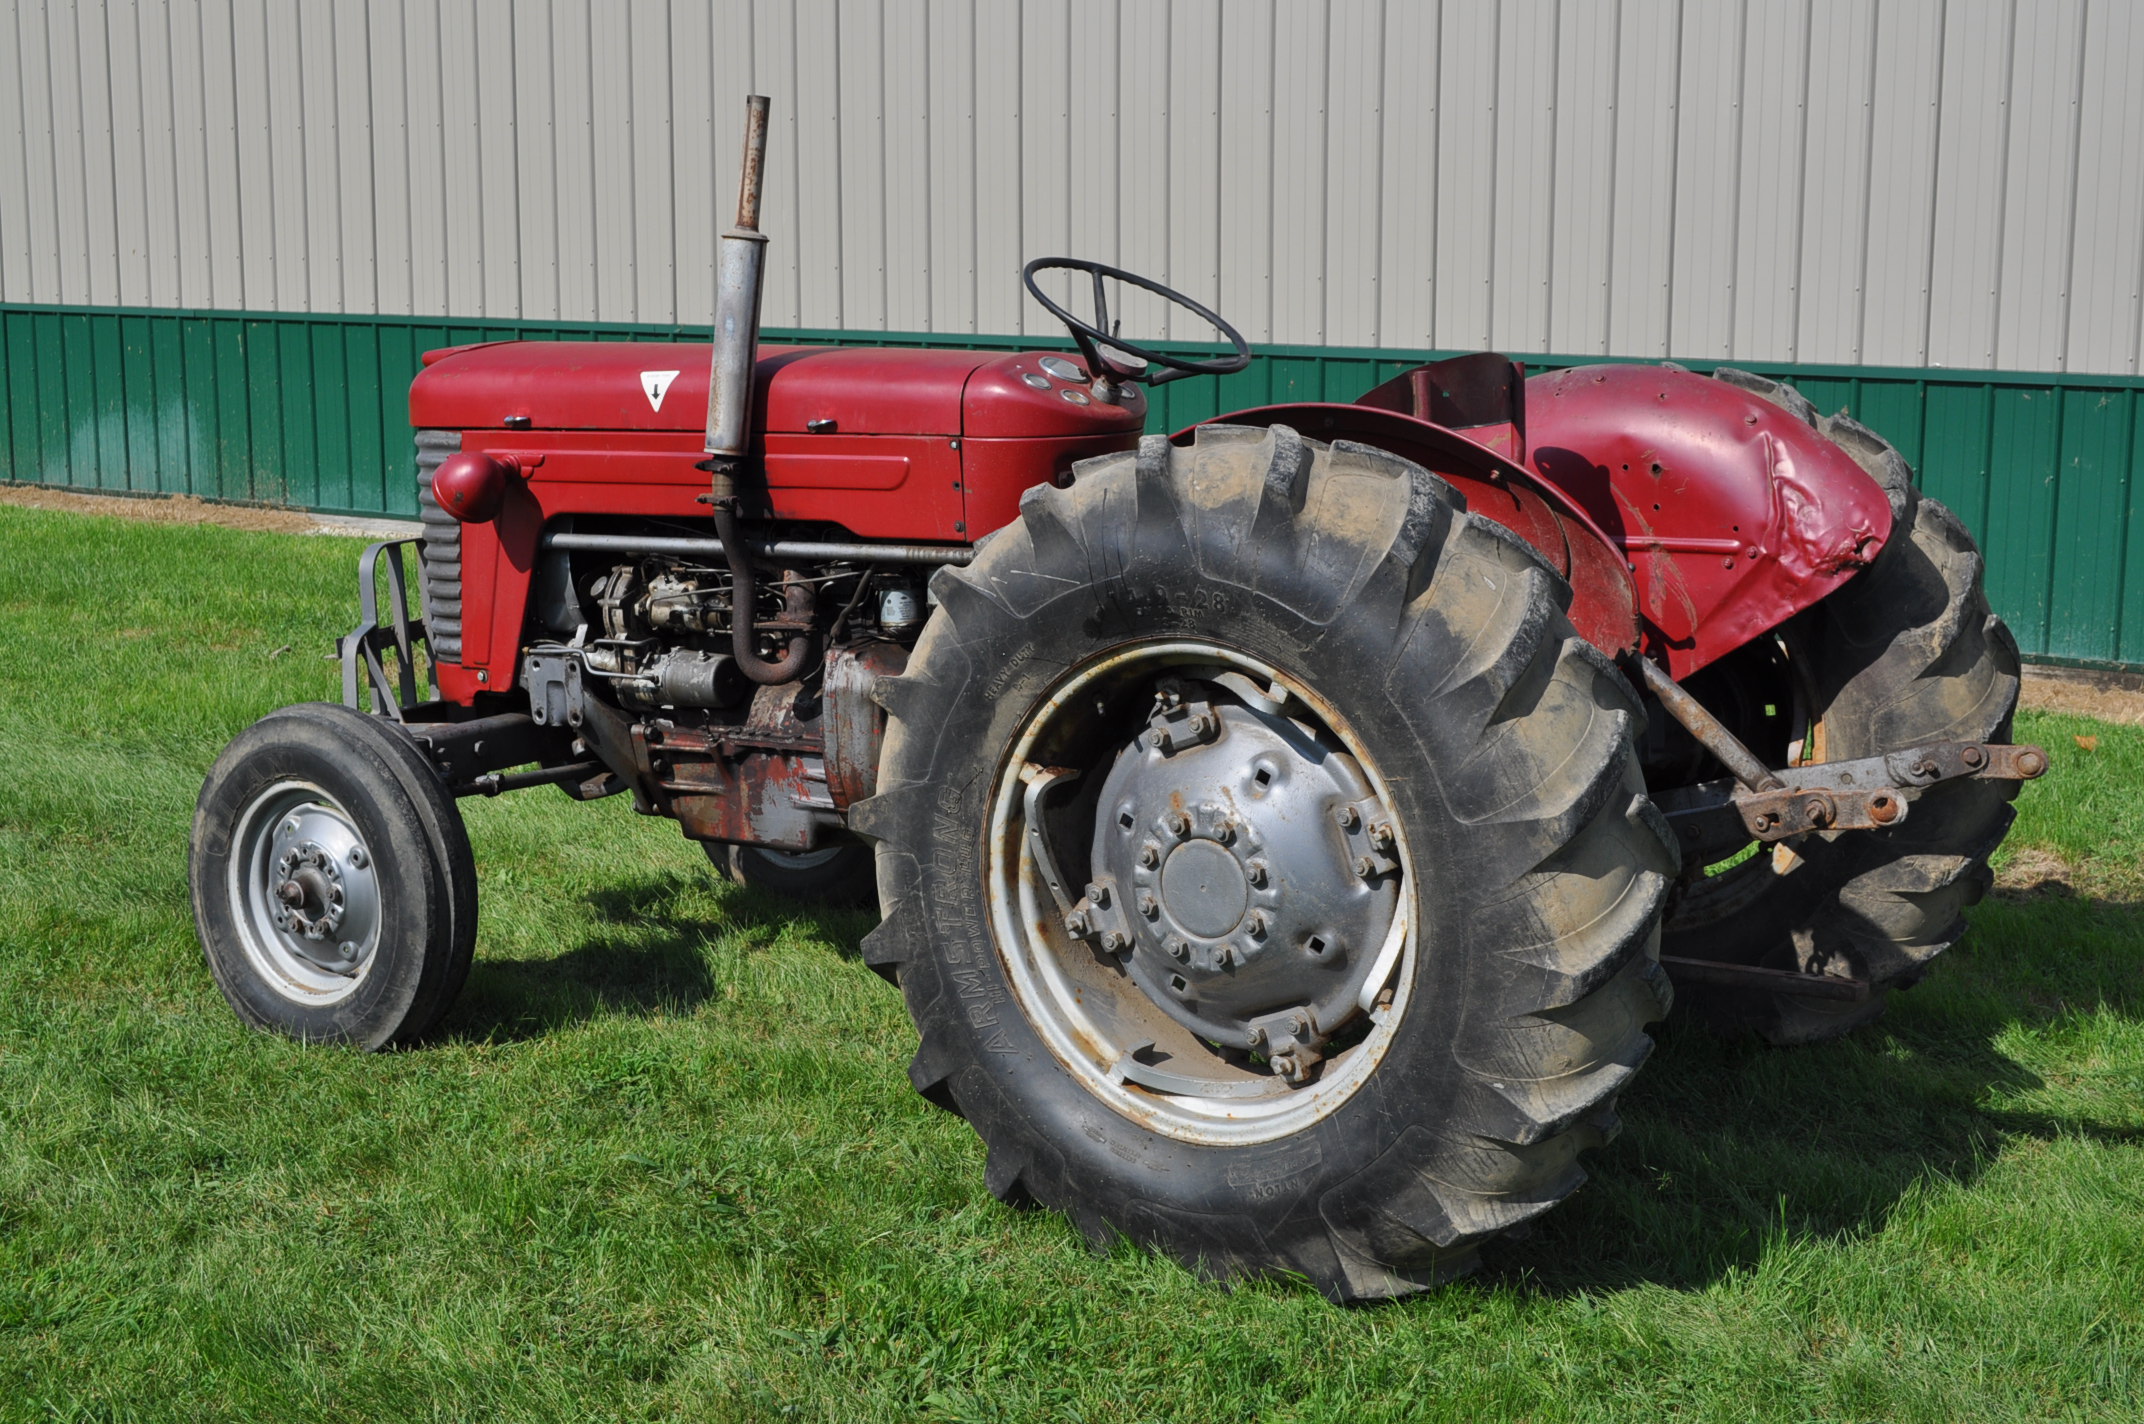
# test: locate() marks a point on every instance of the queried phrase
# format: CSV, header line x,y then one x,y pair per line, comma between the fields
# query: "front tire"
x,y
333,886
1421,657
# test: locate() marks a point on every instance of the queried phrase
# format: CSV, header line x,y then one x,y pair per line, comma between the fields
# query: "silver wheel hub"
x,y
305,894
308,891
1258,894
1239,959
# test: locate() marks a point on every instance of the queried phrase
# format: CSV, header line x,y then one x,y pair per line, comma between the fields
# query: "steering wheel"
x,y
1097,336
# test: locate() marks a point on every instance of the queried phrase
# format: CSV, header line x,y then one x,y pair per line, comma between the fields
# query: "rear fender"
x,y
1603,598
1733,514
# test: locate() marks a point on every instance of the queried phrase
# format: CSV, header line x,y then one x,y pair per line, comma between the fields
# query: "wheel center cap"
x,y
1203,889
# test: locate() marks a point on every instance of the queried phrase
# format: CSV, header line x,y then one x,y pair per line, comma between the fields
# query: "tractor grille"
x,y
442,560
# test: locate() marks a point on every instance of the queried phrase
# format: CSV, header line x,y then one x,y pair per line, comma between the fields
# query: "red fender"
x,y
1688,515
1603,600
1733,514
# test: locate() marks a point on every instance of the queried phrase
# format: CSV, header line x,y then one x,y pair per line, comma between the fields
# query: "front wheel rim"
x,y
1124,1046
303,890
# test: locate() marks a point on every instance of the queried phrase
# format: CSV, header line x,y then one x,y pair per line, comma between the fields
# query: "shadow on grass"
x,y
1731,1146
655,959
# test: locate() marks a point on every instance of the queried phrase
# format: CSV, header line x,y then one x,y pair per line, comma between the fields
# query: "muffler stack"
x,y
738,261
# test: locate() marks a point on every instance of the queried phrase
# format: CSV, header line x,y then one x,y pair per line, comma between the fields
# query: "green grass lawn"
x,y
664,1160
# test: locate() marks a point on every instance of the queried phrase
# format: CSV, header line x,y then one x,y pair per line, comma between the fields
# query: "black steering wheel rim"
x,y
1092,338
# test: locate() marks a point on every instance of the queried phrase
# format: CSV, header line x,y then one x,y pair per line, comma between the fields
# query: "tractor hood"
x,y
616,385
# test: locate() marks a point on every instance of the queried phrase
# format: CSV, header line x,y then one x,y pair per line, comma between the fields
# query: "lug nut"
x,y
1381,835
1158,739
1115,943
1179,824
1179,948
1099,894
1224,830
1223,956
1255,872
1348,817
1257,924
1365,867
1076,924
1150,855
1148,905
1258,1038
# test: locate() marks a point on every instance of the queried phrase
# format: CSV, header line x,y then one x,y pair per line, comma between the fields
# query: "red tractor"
x,y
1284,830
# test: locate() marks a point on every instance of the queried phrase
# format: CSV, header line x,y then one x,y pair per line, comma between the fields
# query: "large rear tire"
x,y
1904,654
1323,622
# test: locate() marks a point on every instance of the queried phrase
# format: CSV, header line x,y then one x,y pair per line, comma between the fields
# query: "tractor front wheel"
x,y
1266,863
333,886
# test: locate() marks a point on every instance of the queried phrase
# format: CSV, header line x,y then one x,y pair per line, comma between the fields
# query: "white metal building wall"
x,y
1893,182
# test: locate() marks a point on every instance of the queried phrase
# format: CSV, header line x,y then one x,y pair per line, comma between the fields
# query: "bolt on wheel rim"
x,y
304,893
1237,960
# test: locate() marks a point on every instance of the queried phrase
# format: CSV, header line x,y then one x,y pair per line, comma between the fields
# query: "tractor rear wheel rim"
x,y
1253,872
305,894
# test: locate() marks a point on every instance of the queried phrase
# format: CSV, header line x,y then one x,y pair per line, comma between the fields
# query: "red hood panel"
x,y
863,390
633,385
663,387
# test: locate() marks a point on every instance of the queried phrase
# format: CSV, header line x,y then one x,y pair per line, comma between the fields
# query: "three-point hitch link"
x,y
1763,803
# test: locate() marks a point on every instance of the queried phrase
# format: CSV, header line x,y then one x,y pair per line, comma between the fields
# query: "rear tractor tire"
x,y
1266,864
1905,654
333,886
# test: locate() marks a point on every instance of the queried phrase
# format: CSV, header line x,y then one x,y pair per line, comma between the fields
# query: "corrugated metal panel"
x,y
14,176
1641,256
1248,190
1575,81
1907,88
2046,70
1526,199
2109,269
1407,283
1465,240
1839,105
1972,183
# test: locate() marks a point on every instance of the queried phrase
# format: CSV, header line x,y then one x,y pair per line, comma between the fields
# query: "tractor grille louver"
x,y
442,555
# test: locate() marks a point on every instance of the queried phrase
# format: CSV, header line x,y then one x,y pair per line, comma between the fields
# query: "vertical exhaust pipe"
x,y
738,268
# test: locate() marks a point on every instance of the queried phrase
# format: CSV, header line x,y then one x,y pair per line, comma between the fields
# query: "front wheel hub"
x,y
1245,856
305,893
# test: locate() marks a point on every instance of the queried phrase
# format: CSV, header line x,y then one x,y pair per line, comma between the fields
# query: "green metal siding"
x,y
310,410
